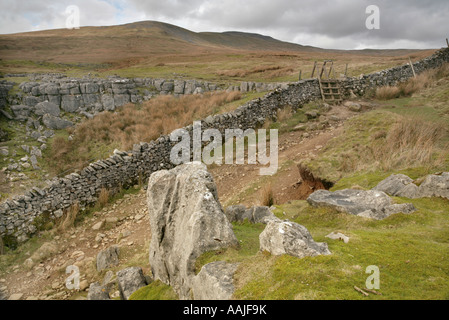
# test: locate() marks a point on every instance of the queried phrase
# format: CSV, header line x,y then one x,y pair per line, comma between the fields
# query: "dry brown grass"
x,y
387,93
284,114
267,196
413,85
161,115
412,142
68,221
103,197
132,124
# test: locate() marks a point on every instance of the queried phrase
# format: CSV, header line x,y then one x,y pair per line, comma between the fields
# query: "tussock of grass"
x,y
103,198
267,196
68,221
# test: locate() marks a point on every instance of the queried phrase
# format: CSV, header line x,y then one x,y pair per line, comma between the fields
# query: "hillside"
x,y
160,49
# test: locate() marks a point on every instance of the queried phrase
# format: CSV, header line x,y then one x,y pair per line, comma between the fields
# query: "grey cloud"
x,y
327,23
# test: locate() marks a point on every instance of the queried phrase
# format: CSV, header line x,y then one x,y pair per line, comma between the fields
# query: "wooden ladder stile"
x,y
329,87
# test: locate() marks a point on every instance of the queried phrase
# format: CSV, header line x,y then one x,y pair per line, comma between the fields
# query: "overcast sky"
x,y
338,24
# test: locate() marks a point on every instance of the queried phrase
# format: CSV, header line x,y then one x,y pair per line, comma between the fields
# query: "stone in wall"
x,y
72,103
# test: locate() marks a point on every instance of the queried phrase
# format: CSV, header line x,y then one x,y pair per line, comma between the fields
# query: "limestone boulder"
x,y
285,237
215,281
98,292
56,123
399,185
186,220
129,281
371,204
47,107
256,214
21,112
435,186
108,258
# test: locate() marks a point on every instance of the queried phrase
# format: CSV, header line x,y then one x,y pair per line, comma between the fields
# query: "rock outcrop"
x,y
186,220
369,204
399,185
285,237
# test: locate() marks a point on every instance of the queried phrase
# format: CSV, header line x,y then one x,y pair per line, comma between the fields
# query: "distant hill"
x,y
157,48
97,44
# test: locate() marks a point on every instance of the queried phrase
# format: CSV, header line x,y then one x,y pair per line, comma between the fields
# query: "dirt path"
x,y
242,184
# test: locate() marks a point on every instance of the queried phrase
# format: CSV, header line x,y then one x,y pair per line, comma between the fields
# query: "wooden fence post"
x,y
313,71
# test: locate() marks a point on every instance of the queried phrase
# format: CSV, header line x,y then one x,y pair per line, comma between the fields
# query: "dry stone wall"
x,y
391,77
93,95
21,216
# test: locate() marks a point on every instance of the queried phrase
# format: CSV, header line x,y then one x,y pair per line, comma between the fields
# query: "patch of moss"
x,y
155,291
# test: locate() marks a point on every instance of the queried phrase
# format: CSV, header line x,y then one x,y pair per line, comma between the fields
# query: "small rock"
x,y
98,225
338,236
99,237
84,285
112,220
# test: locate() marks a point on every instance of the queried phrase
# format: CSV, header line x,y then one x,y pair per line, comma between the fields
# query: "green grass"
x,y
248,236
28,66
154,291
411,252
